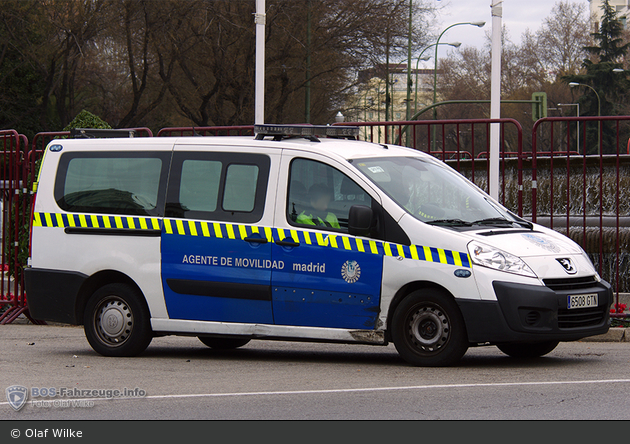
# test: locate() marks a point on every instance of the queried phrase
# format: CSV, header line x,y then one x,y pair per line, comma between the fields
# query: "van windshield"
x,y
433,193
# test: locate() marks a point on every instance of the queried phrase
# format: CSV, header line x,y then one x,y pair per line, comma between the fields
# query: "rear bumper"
x,y
528,313
52,294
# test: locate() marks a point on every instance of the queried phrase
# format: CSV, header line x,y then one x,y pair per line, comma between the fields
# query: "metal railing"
x,y
15,213
582,189
241,130
462,144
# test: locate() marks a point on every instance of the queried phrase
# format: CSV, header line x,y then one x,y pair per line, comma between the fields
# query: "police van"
x,y
299,233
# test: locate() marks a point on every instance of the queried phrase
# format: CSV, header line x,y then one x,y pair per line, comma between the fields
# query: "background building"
x,y
372,102
621,6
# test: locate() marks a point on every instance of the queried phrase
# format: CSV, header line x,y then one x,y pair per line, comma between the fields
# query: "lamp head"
x,y
478,24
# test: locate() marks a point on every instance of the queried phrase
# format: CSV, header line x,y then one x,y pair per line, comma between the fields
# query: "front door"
x,y
328,277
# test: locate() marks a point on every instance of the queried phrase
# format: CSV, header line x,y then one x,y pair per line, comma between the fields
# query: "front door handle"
x,y
256,240
288,242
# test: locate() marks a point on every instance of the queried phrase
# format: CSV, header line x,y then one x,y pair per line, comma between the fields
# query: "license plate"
x,y
582,301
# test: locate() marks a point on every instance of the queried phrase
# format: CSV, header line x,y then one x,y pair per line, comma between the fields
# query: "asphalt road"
x,y
178,378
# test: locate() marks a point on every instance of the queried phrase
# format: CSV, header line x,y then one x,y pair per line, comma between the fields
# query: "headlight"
x,y
491,257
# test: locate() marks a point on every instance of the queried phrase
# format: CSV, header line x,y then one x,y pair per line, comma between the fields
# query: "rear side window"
x,y
240,187
112,183
227,187
199,186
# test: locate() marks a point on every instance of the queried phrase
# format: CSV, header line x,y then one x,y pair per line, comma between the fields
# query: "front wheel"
x,y
528,350
428,329
116,321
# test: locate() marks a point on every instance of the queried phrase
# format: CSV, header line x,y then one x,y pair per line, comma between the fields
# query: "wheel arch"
x,y
403,292
97,281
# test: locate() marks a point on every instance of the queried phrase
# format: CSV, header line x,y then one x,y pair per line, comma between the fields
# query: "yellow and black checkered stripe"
x,y
66,220
182,227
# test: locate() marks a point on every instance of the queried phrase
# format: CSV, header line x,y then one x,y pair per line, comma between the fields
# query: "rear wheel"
x,y
528,350
428,329
116,321
223,343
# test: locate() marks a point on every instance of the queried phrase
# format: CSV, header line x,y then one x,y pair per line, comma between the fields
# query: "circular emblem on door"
x,y
351,271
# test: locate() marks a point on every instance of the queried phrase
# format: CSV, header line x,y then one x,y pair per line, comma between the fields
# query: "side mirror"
x,y
360,220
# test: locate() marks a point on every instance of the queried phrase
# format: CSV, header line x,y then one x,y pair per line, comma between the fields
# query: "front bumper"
x,y
529,313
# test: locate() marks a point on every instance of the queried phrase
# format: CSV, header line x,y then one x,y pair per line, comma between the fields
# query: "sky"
x,y
518,16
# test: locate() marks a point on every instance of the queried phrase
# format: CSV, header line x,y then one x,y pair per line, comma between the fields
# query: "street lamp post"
x,y
599,102
599,112
437,43
479,25
259,92
409,60
454,45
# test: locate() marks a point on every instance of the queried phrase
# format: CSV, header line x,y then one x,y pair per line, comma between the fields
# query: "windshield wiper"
x,y
524,223
503,221
452,222
494,221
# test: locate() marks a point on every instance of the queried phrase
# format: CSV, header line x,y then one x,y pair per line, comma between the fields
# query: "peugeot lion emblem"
x,y
567,264
17,396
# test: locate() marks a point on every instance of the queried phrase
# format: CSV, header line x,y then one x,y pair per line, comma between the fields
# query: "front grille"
x,y
581,317
570,283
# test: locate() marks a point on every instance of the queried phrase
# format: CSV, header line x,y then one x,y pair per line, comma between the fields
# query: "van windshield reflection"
x,y
434,193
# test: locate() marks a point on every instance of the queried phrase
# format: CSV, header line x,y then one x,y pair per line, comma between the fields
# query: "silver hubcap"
x,y
113,321
429,328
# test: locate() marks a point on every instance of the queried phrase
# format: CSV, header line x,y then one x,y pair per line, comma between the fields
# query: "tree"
x,y
604,87
557,48
536,64
156,63
207,61
23,35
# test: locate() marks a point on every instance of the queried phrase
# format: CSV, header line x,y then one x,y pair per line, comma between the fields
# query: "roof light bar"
x,y
94,133
306,131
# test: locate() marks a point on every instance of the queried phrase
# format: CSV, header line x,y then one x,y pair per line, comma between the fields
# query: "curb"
x,y
615,334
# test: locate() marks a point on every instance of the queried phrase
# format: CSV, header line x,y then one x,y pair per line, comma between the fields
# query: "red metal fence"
x,y
463,144
15,216
570,174
581,190
242,130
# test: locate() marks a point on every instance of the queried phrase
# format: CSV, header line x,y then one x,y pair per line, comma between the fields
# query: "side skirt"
x,y
266,331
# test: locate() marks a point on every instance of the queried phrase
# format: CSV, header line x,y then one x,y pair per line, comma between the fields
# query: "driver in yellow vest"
x,y
319,197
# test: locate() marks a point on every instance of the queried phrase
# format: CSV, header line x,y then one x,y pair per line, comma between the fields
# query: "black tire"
x,y
116,321
428,329
528,350
223,343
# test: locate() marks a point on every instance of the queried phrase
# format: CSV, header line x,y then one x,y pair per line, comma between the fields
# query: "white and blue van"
x,y
299,233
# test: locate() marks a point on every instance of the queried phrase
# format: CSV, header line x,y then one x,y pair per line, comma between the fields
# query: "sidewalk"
x,y
615,334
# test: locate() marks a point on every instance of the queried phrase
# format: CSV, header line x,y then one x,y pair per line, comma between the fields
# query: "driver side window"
x,y
320,196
